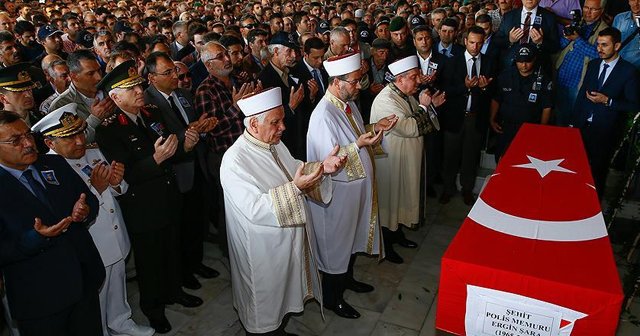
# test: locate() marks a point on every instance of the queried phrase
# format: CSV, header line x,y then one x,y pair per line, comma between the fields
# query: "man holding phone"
x,y
609,91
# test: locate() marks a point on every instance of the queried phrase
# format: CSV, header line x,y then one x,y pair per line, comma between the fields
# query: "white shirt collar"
x,y
523,14
422,60
133,117
166,96
310,68
467,56
611,63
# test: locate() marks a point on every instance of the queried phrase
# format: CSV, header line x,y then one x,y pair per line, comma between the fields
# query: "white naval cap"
x,y
342,65
403,64
259,102
61,122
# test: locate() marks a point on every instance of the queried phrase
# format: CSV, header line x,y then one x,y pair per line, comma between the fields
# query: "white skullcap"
x,y
342,65
260,102
403,64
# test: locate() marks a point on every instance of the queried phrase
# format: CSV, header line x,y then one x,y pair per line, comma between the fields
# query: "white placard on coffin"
x,y
491,312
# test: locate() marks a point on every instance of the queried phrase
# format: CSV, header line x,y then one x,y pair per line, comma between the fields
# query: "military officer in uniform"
x,y
523,95
136,136
16,92
63,132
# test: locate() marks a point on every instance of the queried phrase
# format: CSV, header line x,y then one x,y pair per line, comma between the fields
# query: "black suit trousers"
x,y
157,268
193,225
462,154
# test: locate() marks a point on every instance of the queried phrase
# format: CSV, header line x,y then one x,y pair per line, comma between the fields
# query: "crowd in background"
x,y
570,63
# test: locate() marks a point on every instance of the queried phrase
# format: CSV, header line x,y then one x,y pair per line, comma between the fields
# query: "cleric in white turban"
x,y
398,173
273,270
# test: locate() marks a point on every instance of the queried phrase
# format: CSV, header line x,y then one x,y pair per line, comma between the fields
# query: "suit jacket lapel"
x,y
165,107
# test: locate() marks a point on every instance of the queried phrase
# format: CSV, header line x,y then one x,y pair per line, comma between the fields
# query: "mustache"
x,y
29,150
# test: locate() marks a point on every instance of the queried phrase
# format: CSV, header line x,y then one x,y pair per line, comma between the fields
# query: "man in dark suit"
x,y
180,47
252,62
136,136
447,33
309,70
177,112
276,73
609,91
52,269
465,120
530,24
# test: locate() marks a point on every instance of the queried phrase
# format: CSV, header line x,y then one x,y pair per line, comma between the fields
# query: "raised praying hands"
x,y
333,162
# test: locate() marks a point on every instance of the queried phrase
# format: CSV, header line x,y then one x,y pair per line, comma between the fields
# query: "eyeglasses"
x,y
184,76
250,26
167,72
353,81
219,57
15,141
591,9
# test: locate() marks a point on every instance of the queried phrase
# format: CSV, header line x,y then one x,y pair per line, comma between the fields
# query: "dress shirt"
x,y
284,74
311,69
611,64
424,62
18,175
134,117
449,48
178,104
626,24
469,63
523,16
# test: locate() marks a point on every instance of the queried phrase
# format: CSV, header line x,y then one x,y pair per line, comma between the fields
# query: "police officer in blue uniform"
x,y
523,95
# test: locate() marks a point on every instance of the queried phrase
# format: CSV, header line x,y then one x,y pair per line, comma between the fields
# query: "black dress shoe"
x,y
393,256
186,300
359,287
345,310
161,325
407,243
206,272
191,282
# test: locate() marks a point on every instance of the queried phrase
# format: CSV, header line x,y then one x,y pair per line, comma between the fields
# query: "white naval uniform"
x,y
273,270
349,223
110,236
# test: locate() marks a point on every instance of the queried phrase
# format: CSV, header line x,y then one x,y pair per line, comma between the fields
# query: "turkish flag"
x,y
535,236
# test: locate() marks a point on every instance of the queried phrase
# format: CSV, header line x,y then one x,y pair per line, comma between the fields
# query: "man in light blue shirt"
x,y
627,23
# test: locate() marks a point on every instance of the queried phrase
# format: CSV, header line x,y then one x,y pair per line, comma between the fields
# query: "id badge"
x,y
533,97
87,170
158,128
538,20
50,177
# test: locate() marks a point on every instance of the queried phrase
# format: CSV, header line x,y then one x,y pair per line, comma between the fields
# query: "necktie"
x,y
316,77
525,29
444,51
602,75
37,188
474,70
140,125
176,110
347,110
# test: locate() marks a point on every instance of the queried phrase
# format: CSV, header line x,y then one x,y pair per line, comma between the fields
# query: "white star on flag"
x,y
544,167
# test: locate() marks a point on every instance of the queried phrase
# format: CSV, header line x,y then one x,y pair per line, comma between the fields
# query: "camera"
x,y
576,22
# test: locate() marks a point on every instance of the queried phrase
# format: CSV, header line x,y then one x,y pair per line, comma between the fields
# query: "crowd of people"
x,y
305,132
